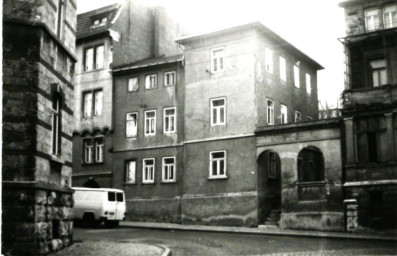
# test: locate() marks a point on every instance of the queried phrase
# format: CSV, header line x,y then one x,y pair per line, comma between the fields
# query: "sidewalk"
x,y
99,248
263,231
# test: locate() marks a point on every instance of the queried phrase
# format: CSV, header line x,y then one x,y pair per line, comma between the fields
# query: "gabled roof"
x,y
84,21
149,62
261,28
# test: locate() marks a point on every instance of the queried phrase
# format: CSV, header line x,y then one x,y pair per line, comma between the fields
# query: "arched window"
x,y
310,165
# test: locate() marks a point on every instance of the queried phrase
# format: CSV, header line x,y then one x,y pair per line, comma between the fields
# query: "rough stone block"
x,y
56,245
40,213
41,197
41,233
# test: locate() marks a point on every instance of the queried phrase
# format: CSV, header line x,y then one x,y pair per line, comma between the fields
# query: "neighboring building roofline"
x,y
255,25
149,63
348,3
106,8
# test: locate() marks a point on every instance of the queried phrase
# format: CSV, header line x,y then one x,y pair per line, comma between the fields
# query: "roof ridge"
x,y
102,9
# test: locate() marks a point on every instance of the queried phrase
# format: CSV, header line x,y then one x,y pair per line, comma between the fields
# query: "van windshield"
x,y
120,197
111,196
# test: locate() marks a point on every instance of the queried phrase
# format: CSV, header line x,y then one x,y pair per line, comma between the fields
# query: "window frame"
x,y
164,169
296,76
212,108
154,125
378,72
56,124
165,78
380,19
93,103
267,112
281,114
137,84
272,165
145,179
393,24
221,66
94,57
297,113
101,151
218,175
169,116
148,78
93,150
127,171
127,123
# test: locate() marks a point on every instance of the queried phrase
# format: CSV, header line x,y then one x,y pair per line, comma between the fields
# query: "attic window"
x,y
99,21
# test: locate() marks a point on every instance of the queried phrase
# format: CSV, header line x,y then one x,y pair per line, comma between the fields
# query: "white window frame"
x,y
152,122
373,21
98,102
387,16
282,108
146,169
167,169
376,73
99,149
94,57
131,179
218,160
171,120
296,76
269,60
94,106
128,122
133,84
218,110
220,60
172,76
298,117
151,81
269,112
283,69
88,150
308,84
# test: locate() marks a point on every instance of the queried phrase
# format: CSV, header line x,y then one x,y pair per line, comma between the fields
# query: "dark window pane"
x,y
120,197
111,196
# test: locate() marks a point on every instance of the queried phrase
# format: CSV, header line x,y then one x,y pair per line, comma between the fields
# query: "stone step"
x,y
268,226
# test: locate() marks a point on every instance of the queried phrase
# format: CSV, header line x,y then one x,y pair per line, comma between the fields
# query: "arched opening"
x,y
91,183
310,165
269,187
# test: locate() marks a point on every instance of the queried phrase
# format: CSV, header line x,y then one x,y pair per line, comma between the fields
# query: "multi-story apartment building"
x,y
38,61
107,37
369,114
203,169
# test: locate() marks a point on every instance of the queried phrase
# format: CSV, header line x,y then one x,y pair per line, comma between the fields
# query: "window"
x,y
372,19
283,69
148,170
111,197
296,77
131,124
378,72
218,111
310,165
98,149
56,125
284,114
272,165
151,81
169,120
94,58
218,164
169,78
269,60
92,103
371,135
298,116
93,150
169,169
60,17
130,171
308,84
390,16
217,60
120,197
133,84
270,112
150,122
100,21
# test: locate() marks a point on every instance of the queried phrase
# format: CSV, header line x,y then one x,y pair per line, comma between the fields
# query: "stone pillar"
x,y
349,141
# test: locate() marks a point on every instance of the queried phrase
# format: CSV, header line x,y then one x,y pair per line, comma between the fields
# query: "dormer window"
x,y
99,21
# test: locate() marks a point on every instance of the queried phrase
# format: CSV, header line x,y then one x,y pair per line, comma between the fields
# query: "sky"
x,y
313,26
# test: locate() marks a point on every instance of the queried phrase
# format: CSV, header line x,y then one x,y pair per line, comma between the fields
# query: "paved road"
x,y
186,243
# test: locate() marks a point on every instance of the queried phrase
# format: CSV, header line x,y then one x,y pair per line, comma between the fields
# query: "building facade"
x,y
38,64
107,37
369,114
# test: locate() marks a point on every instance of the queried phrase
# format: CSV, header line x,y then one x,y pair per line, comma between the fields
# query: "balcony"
x,y
385,94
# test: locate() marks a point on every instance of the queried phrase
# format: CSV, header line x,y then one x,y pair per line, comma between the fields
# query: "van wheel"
x,y
112,223
89,219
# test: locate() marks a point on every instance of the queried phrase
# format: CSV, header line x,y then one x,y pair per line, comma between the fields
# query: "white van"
x,y
95,205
